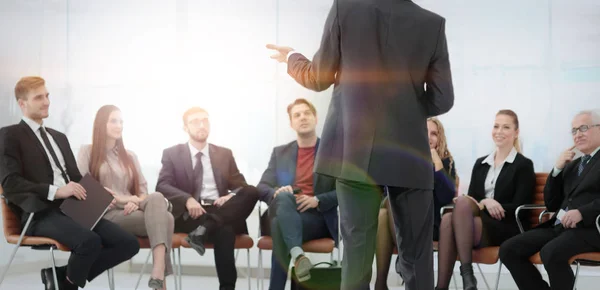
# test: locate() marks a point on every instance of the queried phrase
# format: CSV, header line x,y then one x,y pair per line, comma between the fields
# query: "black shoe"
x,y
48,277
469,281
196,240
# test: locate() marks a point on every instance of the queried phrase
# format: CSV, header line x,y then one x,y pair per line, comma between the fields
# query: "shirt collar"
x,y
195,151
32,124
510,158
595,151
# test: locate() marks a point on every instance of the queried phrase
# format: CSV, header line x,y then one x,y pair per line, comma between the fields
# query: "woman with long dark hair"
x,y
118,169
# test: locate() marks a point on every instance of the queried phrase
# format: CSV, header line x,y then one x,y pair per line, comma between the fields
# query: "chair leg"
x,y
142,271
483,276
111,278
259,274
576,275
180,272
498,276
12,256
175,270
249,276
54,267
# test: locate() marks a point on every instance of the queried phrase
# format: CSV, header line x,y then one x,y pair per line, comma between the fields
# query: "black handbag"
x,y
321,278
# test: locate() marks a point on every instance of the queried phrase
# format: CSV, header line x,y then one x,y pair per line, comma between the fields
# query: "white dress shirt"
x,y
58,181
494,172
209,185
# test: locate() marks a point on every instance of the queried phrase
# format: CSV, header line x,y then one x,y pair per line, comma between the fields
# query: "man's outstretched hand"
x,y
282,52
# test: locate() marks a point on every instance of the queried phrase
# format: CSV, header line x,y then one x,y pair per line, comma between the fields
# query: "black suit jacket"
x,y
575,192
25,169
514,187
282,172
380,55
176,178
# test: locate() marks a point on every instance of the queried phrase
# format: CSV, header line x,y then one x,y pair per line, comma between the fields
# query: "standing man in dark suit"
x,y
38,171
572,192
389,62
211,199
309,214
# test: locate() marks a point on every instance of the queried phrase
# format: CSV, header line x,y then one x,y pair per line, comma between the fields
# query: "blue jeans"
x,y
290,228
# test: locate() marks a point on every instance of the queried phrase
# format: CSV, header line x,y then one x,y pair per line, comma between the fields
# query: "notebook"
x,y
89,211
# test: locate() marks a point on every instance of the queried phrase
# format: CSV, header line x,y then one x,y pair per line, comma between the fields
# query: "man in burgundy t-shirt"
x,y
302,204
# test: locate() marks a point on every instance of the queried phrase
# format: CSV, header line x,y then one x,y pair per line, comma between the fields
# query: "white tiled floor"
x,y
126,281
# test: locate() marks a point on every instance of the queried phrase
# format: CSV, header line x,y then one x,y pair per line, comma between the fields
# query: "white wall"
x,y
156,58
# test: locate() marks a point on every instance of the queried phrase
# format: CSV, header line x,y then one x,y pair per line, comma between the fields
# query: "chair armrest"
x,y
598,223
529,207
259,217
445,208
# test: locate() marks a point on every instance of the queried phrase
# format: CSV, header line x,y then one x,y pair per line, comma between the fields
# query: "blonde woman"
x,y
500,182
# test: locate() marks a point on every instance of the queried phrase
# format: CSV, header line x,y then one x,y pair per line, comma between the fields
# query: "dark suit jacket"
x,y
514,187
576,192
176,178
380,55
25,169
282,172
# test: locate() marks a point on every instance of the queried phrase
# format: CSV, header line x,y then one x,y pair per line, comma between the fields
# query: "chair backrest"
x,y
538,197
10,221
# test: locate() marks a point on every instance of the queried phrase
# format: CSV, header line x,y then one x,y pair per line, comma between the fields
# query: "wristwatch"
x,y
316,198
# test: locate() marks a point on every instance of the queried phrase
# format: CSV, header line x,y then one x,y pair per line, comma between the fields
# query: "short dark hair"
x,y
301,101
191,111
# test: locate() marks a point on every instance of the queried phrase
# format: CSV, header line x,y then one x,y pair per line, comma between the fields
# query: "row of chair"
x,y
14,235
539,214
486,255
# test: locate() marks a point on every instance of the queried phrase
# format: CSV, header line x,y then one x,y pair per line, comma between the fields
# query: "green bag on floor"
x,y
321,278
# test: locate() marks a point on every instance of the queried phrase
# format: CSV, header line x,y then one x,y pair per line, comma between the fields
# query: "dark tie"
x,y
53,154
198,175
584,160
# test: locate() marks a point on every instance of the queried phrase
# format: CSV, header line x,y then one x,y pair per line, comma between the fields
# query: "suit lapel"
x,y
292,163
33,138
579,179
186,160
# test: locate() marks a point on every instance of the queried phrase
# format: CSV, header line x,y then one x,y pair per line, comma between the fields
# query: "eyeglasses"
x,y
197,122
583,128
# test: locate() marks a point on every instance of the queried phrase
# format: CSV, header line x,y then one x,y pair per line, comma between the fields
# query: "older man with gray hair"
x,y
572,192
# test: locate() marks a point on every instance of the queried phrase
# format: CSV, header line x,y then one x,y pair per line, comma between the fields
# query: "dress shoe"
x,y
48,277
196,240
156,284
468,277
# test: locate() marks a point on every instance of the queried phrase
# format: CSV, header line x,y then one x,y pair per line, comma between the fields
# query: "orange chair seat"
x,y
145,242
486,255
324,245
36,241
594,257
241,242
